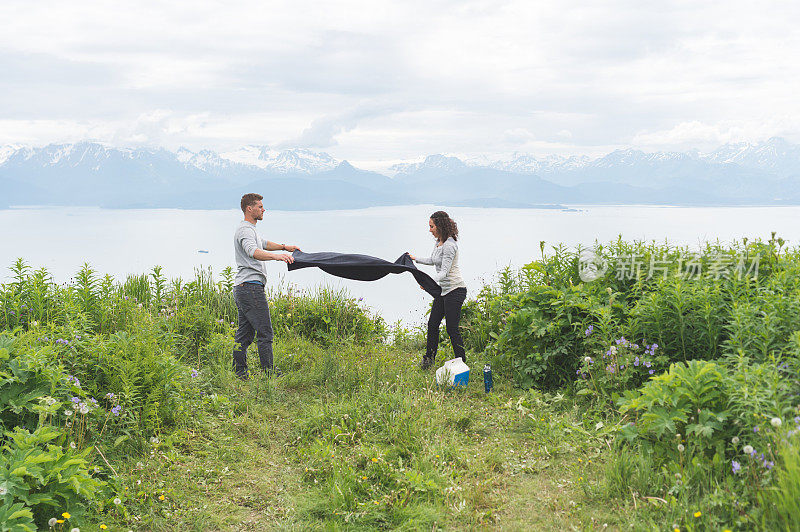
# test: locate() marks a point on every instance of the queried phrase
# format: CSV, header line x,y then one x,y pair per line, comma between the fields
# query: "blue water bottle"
x,y
487,378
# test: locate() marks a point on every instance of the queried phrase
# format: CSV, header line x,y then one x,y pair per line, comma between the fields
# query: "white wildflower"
x,y
735,440
776,422
72,445
76,529
3,490
52,522
117,501
154,440
587,359
84,408
681,448
748,449
67,413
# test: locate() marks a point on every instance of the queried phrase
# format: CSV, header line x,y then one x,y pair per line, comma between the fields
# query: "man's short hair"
x,y
250,199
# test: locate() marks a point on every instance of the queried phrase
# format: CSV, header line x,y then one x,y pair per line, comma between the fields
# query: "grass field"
x,y
361,438
643,403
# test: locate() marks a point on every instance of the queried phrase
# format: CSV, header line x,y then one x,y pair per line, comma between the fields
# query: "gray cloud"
x,y
323,131
395,80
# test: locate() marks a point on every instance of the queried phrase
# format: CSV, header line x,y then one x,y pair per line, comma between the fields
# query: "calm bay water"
x,y
120,242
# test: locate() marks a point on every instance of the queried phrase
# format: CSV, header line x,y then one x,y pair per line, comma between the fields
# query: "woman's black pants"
x,y
449,308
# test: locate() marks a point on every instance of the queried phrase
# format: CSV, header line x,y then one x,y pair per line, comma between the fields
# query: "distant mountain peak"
x,y
437,162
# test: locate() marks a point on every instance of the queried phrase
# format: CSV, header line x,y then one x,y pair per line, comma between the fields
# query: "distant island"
x,y
94,174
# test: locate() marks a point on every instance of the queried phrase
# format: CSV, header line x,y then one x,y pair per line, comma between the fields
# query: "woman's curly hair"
x,y
445,226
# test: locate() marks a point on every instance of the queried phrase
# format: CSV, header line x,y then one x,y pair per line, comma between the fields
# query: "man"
x,y
251,249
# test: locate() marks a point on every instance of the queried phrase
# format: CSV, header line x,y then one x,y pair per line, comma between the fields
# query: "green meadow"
x,y
659,393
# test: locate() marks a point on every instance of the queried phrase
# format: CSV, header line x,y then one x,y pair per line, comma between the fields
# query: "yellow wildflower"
x,y
103,527
66,515
697,514
375,460
580,460
59,521
160,497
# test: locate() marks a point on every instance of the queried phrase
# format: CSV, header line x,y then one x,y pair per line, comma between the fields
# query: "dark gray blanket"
x,y
363,267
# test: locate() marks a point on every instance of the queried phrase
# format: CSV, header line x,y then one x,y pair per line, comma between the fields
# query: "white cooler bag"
x,y
454,373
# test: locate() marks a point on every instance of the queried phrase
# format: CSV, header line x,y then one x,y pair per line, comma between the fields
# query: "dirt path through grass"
x,y
339,443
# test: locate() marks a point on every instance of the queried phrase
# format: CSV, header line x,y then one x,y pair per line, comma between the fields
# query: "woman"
x,y
454,291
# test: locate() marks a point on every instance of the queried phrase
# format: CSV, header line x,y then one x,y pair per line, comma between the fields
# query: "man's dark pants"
x,y
254,319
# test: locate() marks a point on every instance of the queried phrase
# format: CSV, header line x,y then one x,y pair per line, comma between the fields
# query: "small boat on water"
x,y
202,251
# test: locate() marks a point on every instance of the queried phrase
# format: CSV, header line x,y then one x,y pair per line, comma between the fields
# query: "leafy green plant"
x,y
24,379
44,477
623,366
15,517
688,402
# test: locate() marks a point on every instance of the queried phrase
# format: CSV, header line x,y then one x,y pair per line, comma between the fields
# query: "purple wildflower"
x,y
755,429
76,400
636,361
194,373
589,330
116,410
651,371
736,466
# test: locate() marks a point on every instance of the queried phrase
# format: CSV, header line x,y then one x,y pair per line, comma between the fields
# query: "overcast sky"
x,y
378,81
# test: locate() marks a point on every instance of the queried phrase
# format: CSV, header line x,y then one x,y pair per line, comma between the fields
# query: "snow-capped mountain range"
x,y
91,173
297,161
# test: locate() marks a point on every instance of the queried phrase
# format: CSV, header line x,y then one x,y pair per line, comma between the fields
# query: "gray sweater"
x,y
445,258
246,241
